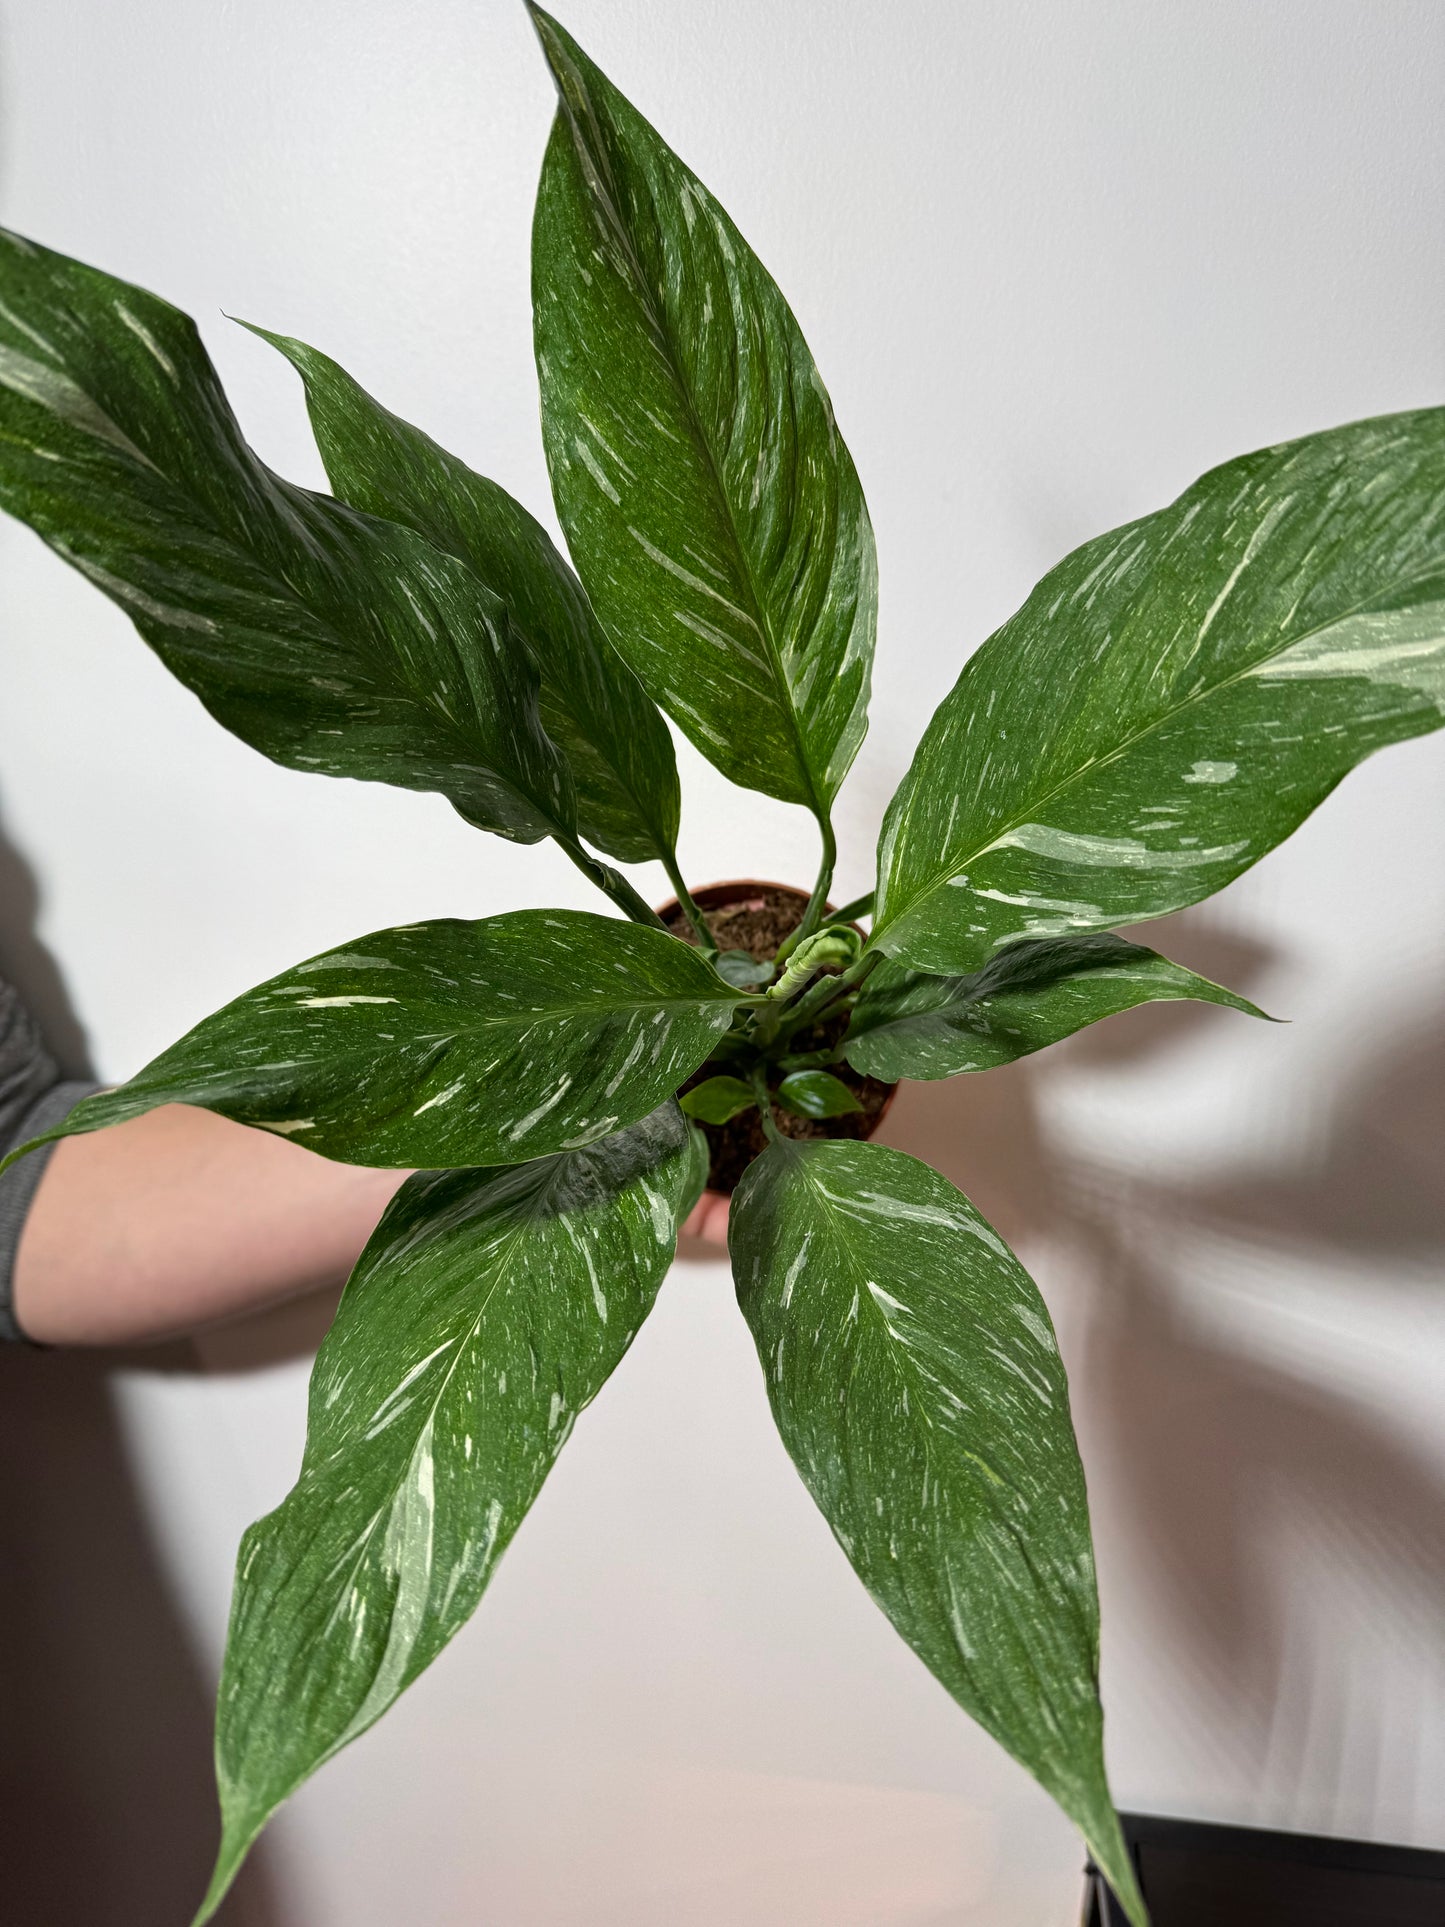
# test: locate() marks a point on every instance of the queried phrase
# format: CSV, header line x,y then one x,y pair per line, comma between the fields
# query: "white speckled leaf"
x,y
1027,996
488,1309
915,1379
709,502
593,707
446,1044
326,639
1175,697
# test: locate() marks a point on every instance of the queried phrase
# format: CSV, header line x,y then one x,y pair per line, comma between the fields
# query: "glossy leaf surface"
x,y
324,638
741,968
1028,995
718,1099
915,1379
593,707
446,1044
816,1094
709,503
488,1309
1174,698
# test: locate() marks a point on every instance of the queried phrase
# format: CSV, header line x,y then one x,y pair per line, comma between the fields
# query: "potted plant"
x,y
1169,704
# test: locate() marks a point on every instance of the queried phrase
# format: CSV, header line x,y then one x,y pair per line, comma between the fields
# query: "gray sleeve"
x,y
33,1099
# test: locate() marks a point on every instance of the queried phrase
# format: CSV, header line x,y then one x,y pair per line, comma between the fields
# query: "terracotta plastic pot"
x,y
752,893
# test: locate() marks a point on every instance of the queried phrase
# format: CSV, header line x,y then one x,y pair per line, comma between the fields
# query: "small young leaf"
x,y
487,1310
717,1099
833,948
816,1094
446,1044
1175,698
329,641
739,968
915,1379
593,706
1028,995
709,503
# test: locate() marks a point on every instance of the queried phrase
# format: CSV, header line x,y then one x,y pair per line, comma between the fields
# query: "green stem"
x,y
759,1082
765,1020
813,915
612,884
819,997
689,909
806,1010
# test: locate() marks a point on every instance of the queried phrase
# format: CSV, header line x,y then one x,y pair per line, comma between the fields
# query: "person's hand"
x,y
707,1222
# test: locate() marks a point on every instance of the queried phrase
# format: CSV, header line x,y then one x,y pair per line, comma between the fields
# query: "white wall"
x,y
1054,260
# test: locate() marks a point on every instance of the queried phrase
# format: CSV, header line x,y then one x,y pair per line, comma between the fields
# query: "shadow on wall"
x,y
1205,1452
107,1807
107,1812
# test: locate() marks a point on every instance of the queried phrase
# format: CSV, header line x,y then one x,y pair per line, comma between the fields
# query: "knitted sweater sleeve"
x,y
34,1098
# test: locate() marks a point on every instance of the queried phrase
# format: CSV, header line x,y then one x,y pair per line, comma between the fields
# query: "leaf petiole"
x,y
611,883
817,903
859,907
759,1080
690,908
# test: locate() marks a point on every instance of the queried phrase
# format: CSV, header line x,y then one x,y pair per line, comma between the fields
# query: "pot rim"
x,y
717,896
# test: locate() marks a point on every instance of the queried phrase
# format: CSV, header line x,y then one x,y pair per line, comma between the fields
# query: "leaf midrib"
x,y
895,1349
519,1021
942,876
663,330
527,1214
892,1348
255,1818
423,698
457,474
276,489
504,1254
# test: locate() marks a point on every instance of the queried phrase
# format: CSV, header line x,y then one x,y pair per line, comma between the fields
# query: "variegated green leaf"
x,y
447,1044
915,1379
709,502
816,1094
488,1309
326,639
1028,995
593,707
1174,698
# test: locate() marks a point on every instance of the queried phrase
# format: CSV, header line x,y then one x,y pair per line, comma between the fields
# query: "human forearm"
x,y
181,1219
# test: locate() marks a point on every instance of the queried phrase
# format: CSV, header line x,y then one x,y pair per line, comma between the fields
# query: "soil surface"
x,y
757,918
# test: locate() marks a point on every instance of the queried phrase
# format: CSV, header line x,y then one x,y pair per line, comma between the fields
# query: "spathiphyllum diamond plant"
x,y
1169,703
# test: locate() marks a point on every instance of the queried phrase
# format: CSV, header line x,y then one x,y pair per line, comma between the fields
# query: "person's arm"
x,y
176,1220
708,1220
181,1219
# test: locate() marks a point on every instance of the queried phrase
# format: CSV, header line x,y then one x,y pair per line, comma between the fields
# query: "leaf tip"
x,y
547,29
32,1144
228,1864
1110,1853
286,344
1253,1010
